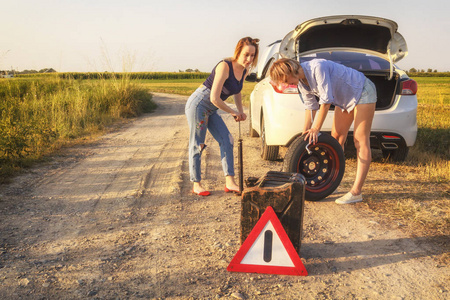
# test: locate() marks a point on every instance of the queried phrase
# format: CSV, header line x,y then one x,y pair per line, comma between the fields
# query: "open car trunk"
x,y
386,88
374,68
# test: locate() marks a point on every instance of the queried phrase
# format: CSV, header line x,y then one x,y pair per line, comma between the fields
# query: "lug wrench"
x,y
309,144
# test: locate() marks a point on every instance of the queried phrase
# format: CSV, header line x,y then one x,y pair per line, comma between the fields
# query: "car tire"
x,y
251,132
323,168
267,152
397,155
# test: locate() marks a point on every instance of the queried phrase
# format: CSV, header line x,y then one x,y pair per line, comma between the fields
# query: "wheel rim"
x,y
320,168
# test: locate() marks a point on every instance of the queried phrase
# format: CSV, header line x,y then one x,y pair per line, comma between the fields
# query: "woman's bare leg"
x,y
342,121
363,123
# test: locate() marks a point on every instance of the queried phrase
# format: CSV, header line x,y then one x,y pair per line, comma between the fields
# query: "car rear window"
x,y
358,61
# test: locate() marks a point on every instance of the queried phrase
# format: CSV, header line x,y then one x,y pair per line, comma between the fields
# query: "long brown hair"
x,y
250,42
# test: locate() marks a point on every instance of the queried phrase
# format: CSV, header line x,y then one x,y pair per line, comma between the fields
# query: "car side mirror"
x,y
251,77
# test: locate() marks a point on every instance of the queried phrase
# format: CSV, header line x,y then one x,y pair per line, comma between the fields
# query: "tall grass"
x,y
431,152
39,113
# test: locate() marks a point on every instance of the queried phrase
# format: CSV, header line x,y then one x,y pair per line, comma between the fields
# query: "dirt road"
x,y
116,220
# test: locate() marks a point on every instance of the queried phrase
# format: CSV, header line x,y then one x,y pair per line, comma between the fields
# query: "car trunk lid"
x,y
372,35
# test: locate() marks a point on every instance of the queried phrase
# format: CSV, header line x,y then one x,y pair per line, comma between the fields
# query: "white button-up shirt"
x,y
332,83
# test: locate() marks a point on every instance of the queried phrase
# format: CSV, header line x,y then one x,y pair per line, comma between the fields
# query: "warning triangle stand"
x,y
268,250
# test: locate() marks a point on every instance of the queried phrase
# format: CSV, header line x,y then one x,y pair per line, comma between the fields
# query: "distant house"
x,y
6,74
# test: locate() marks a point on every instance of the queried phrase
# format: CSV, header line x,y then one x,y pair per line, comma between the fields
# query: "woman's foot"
x,y
349,198
231,190
199,190
230,185
204,193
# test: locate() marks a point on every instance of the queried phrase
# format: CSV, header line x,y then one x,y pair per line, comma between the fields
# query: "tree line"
x,y
414,70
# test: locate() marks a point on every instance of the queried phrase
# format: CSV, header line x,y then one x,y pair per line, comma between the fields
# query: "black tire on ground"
x,y
323,168
267,152
397,155
251,132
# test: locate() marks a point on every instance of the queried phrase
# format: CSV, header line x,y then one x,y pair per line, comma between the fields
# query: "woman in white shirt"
x,y
345,88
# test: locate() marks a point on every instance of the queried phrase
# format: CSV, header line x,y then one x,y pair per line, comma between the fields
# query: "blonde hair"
x,y
250,42
283,68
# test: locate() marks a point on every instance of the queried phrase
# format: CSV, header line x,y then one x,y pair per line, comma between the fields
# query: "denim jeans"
x,y
201,116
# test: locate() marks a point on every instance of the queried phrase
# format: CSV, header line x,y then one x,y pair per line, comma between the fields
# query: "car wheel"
x,y
267,152
397,155
251,132
323,167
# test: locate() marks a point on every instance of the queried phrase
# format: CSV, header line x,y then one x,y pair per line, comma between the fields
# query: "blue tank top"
x,y
231,86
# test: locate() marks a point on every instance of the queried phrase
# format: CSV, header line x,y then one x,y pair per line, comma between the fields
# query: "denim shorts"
x,y
369,93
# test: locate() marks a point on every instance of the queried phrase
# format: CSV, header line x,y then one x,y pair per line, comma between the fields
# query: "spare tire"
x,y
323,167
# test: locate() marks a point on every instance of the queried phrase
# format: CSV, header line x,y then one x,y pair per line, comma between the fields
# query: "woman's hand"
x,y
238,117
312,135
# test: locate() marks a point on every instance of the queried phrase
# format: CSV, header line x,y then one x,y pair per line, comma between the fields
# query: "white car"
x,y
370,45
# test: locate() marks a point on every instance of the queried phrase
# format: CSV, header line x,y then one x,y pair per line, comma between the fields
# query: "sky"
x,y
173,35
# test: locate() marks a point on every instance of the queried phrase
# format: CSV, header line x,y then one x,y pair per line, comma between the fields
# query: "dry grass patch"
x,y
407,194
416,193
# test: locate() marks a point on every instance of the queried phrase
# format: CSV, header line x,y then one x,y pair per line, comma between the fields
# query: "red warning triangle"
x,y
268,250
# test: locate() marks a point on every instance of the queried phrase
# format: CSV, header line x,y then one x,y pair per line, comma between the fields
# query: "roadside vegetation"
x,y
39,114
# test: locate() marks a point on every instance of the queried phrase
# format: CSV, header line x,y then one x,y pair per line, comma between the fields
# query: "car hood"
x,y
372,35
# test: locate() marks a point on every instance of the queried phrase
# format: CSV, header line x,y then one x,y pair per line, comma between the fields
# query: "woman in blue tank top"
x,y
226,80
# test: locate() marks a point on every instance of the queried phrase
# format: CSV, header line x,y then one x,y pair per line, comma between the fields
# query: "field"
x,y
187,86
432,148
40,114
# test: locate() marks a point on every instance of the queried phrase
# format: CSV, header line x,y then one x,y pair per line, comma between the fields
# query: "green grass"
x,y
39,114
188,86
431,153
433,90
178,86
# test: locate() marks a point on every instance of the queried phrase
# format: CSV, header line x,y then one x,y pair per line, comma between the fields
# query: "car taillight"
x,y
391,137
409,87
